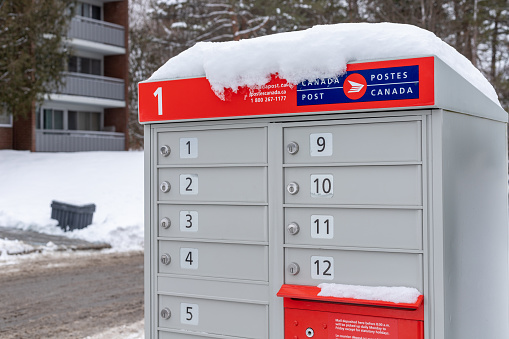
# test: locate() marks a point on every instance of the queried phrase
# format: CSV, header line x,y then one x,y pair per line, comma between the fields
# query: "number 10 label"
x,y
322,185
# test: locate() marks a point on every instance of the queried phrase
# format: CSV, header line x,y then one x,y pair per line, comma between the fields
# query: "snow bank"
x,y
318,52
405,295
10,247
113,181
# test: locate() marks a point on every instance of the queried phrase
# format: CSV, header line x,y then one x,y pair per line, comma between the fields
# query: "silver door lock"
x,y
166,313
292,147
166,259
293,268
292,188
310,333
165,187
293,228
165,222
165,150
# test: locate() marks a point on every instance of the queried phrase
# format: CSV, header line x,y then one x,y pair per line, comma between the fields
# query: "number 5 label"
x,y
189,314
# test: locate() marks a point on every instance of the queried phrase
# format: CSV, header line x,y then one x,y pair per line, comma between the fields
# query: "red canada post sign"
x,y
370,85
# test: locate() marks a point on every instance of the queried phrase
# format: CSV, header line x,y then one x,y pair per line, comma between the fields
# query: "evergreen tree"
x,y
32,52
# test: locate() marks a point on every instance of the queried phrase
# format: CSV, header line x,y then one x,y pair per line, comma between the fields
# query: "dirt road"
x,y
70,295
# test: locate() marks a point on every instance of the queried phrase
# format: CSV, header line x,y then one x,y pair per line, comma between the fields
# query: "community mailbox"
x,y
394,174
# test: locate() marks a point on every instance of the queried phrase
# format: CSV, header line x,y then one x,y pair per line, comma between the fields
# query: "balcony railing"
x,y
93,86
78,141
97,31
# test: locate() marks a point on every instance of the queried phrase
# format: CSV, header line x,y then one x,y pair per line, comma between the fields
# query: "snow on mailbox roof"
x,y
318,52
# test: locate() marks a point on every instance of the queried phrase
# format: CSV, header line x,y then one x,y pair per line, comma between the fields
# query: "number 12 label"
x,y
322,268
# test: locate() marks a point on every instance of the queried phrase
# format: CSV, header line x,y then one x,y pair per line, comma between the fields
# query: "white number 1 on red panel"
x,y
159,94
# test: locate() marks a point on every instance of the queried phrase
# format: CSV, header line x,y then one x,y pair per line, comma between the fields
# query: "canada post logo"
x,y
380,84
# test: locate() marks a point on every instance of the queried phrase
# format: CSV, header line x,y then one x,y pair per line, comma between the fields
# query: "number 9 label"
x,y
320,144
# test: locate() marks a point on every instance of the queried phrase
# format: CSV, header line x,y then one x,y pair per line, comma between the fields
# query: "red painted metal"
x,y
338,318
191,99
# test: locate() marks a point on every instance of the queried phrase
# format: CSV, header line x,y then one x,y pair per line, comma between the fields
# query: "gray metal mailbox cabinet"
x,y
403,183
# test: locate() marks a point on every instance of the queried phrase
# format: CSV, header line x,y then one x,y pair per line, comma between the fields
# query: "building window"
x,y
5,117
84,65
84,121
89,11
50,119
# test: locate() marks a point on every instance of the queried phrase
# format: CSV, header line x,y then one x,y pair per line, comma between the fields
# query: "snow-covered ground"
x,y
113,181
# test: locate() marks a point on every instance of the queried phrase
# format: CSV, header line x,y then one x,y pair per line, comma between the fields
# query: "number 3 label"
x,y
189,314
189,221
320,144
322,268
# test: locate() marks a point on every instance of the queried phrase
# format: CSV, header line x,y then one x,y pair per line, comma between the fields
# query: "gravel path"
x,y
70,294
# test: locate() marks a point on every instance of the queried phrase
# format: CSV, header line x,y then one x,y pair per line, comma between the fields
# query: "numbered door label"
x,y
189,258
189,314
320,144
322,185
322,226
188,184
322,268
188,148
188,221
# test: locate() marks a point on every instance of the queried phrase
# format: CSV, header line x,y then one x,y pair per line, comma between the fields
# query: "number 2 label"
x,y
188,184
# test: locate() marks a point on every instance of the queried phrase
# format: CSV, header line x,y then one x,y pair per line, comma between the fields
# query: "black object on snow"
x,y
71,217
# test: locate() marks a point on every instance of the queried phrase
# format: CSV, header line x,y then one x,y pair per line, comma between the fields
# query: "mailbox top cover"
x,y
308,72
364,86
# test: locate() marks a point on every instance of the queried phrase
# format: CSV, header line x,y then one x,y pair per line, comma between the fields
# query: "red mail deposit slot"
x,y
308,315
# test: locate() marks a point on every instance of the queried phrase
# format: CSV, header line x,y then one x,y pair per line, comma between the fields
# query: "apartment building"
x,y
89,112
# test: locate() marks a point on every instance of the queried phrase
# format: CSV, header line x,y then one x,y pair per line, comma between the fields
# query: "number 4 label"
x,y
189,314
189,258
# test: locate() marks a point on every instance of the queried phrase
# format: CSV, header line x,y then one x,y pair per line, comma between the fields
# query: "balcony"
x,y
97,31
78,141
93,86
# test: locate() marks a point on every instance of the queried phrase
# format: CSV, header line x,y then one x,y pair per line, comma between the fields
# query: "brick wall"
x,y
5,138
117,66
23,132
